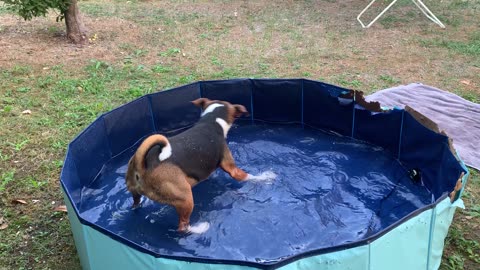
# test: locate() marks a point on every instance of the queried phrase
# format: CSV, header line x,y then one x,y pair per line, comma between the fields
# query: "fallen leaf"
x,y
61,208
3,226
27,112
20,201
468,217
466,82
35,201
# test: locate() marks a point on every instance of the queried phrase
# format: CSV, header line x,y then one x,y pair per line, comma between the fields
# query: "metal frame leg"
x,y
376,18
425,10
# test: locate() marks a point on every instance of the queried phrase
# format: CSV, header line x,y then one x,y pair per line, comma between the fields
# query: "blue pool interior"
x,y
329,191
332,189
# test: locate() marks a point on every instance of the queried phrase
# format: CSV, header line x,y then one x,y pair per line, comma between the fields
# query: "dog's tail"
x,y
146,145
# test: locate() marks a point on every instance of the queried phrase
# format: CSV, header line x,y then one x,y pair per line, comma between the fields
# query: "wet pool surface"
x,y
329,191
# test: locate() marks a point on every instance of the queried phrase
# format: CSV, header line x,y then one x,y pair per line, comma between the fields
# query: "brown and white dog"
x,y
165,170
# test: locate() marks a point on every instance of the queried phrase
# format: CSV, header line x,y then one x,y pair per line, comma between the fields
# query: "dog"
x,y
166,169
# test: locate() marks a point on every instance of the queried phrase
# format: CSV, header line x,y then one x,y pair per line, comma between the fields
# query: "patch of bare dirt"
x,y
280,34
244,35
42,42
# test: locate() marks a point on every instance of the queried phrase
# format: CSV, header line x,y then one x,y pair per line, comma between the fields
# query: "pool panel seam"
x,y
303,124
106,136
353,115
251,102
430,236
200,93
401,135
150,106
369,256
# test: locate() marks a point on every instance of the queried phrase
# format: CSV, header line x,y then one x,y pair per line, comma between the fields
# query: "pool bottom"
x,y
329,191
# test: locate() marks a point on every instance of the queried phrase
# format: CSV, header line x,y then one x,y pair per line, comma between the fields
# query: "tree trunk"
x,y
76,31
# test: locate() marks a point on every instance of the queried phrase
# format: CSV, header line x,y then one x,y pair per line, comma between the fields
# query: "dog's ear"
x,y
201,102
240,110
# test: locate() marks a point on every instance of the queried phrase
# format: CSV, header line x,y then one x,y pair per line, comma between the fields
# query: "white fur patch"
x,y
225,126
166,152
212,107
199,227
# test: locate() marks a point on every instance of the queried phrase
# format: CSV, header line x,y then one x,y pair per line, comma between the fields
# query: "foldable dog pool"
x,y
357,186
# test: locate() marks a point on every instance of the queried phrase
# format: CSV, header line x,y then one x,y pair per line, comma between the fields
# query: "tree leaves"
x,y
28,9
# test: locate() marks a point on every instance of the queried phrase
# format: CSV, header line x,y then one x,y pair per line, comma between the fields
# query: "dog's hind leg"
x,y
136,199
184,210
228,165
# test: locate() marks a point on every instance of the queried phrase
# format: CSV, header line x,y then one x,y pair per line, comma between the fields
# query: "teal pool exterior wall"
x,y
416,243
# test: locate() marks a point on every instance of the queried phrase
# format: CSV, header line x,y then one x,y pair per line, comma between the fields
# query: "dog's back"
x,y
197,151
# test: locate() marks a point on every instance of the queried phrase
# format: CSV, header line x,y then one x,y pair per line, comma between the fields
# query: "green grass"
x,y
473,97
170,52
132,11
404,12
389,80
347,80
470,47
462,244
390,21
6,178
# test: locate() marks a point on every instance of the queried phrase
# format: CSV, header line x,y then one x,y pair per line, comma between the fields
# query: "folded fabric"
x,y
458,117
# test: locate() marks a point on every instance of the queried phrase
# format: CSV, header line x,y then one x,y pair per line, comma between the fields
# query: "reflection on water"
x,y
328,191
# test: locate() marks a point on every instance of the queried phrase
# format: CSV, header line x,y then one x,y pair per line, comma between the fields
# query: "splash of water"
x,y
267,176
199,227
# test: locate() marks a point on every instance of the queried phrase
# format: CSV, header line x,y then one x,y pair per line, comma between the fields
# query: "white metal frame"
x,y
425,10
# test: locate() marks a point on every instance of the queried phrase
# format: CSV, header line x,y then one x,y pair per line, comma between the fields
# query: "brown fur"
x,y
167,183
136,170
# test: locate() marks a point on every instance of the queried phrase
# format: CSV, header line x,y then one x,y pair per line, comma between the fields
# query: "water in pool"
x,y
328,191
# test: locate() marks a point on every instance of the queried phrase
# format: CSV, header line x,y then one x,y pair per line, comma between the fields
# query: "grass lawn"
x,y
139,47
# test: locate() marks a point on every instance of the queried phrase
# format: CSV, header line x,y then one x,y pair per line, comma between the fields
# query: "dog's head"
x,y
233,110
